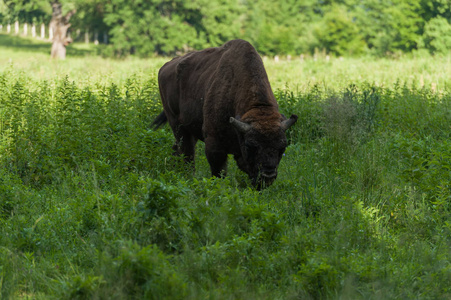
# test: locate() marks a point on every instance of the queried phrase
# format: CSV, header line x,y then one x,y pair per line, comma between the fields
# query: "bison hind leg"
x,y
185,147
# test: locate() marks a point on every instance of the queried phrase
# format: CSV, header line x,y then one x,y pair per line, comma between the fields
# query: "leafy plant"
x,y
94,205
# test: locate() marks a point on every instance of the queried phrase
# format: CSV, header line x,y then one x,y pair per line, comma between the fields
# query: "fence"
x,y
44,32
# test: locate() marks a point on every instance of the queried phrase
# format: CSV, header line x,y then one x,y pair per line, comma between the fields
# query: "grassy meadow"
x,y
94,206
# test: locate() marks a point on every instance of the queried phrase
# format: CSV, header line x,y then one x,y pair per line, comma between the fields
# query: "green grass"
x,y
93,205
32,58
336,73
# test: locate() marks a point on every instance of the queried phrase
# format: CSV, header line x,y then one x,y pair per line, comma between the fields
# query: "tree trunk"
x,y
59,25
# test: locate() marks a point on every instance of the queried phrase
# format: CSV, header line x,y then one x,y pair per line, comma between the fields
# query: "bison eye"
x,y
249,145
250,148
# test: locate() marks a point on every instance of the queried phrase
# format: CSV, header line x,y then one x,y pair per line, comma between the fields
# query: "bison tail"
x,y
160,120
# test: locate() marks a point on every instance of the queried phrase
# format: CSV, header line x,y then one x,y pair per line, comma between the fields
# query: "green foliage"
x,y
339,34
437,36
220,21
342,28
279,27
434,8
144,27
93,205
25,11
389,27
148,273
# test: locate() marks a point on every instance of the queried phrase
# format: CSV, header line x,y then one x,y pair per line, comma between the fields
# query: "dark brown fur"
x,y
202,90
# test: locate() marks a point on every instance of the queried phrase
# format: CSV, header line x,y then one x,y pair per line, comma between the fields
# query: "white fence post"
x,y
96,38
33,28
42,31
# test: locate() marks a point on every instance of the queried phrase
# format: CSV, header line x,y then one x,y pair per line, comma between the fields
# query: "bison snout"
x,y
269,175
264,179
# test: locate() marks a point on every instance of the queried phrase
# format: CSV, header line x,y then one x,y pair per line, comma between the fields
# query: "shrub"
x,y
437,36
141,272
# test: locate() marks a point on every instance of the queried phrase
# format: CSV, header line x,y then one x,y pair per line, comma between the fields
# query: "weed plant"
x,y
94,206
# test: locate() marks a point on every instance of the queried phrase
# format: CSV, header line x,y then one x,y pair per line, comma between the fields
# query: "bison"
x,y
222,96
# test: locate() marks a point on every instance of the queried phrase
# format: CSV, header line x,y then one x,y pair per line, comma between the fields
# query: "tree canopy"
x,y
338,27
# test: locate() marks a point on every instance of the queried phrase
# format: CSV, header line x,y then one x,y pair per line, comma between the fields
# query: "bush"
x,y
135,273
437,36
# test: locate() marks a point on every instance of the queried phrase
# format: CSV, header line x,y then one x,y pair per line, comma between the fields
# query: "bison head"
x,y
262,147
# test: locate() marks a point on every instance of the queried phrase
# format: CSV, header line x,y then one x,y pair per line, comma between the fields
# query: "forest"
x,y
285,27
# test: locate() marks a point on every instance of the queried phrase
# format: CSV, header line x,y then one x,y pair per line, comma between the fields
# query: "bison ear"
x,y
241,126
288,123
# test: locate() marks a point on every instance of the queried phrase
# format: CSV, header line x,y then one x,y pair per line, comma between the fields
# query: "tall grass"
x,y
93,205
84,66
336,73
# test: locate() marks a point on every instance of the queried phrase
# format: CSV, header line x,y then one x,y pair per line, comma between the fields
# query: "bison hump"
x,y
183,64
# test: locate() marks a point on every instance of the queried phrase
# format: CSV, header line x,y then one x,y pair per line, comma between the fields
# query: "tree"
x,y
437,36
155,26
59,25
89,17
149,27
389,26
25,11
434,8
280,27
338,34
221,20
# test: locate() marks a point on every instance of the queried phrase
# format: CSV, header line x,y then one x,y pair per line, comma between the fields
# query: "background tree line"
x,y
338,27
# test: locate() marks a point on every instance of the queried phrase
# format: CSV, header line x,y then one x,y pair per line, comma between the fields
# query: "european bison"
x,y
222,96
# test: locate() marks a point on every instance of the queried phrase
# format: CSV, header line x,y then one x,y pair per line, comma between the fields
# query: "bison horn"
x,y
241,126
287,123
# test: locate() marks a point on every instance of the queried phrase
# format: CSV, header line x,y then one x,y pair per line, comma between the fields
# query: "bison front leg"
x,y
217,158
